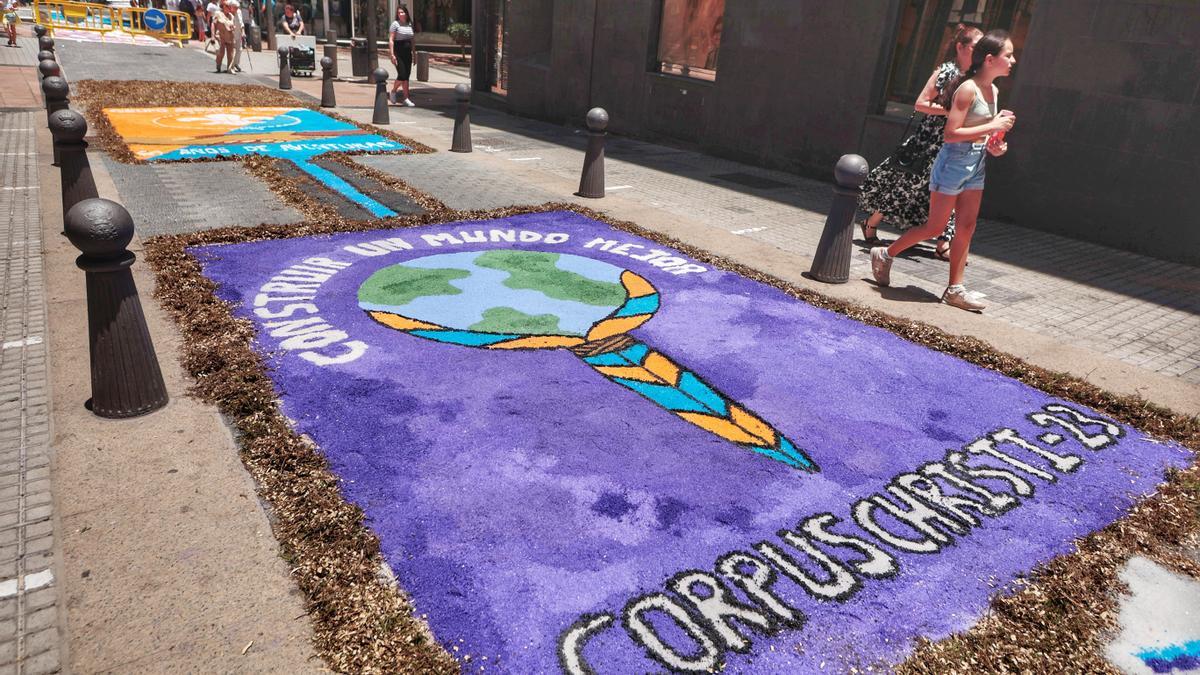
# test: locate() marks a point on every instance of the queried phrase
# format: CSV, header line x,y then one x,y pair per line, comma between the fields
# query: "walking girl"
x,y
400,45
901,194
974,129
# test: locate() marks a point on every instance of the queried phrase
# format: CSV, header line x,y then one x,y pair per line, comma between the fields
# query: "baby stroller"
x,y
303,61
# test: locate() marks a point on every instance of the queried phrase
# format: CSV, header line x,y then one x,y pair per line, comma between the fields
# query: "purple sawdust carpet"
x,y
583,451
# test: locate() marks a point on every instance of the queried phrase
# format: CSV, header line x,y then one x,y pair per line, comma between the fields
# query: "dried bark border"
x,y
96,95
1055,620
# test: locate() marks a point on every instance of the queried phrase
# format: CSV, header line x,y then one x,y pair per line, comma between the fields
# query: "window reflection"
x,y
690,37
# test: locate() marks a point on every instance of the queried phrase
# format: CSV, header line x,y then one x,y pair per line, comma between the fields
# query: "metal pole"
x,y
422,66
256,22
331,49
328,98
271,25
126,379
380,115
462,120
370,33
69,129
831,262
591,181
285,67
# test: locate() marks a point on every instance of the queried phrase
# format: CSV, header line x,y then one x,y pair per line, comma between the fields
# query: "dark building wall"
x,y
1106,92
1107,143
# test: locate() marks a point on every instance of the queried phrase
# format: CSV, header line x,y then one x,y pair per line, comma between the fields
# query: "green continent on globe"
x,y
399,285
509,320
536,271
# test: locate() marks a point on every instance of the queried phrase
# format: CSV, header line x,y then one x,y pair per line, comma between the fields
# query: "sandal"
x,y
869,239
944,253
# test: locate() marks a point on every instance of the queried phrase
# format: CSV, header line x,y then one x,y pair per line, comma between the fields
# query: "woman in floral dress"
x,y
900,196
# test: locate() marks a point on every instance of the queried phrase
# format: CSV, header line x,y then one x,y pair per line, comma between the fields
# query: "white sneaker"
x,y
881,266
409,103
964,299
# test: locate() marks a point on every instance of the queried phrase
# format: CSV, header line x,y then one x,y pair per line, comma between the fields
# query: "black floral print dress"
x,y
901,196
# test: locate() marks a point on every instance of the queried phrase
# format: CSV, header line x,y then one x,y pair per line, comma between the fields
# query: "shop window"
x,y
926,26
689,37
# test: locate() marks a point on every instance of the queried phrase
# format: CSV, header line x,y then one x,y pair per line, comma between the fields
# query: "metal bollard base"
x,y
831,261
380,114
126,379
461,142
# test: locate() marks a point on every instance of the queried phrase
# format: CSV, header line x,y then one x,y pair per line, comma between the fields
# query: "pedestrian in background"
x,y
239,35
11,20
292,23
900,194
222,30
401,49
975,128
198,18
248,33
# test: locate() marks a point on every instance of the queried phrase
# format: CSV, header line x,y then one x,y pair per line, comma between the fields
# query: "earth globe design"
x,y
522,299
499,294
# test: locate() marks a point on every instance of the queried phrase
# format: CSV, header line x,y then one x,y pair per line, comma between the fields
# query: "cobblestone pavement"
x,y
24,55
98,61
1143,311
29,626
194,196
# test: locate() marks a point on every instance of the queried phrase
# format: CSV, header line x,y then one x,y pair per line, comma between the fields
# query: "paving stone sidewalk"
x,y
1143,311
29,625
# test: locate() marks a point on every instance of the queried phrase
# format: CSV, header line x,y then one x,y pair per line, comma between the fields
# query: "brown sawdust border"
x,y
96,95
1054,620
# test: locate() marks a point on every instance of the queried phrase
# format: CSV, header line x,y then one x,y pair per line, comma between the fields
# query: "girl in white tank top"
x,y
973,130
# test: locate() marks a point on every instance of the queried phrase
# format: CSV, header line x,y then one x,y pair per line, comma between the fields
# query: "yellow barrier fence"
x,y
103,19
75,16
178,27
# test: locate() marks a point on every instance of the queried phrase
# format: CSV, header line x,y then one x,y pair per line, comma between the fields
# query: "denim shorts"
x,y
958,167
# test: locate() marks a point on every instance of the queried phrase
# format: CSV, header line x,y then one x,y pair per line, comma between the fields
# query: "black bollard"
x,y
381,115
328,98
591,181
285,68
55,91
46,43
45,56
48,68
462,120
38,31
69,128
331,51
126,379
831,262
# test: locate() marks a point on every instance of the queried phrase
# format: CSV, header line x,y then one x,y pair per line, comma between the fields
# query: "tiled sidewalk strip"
x,y
29,634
